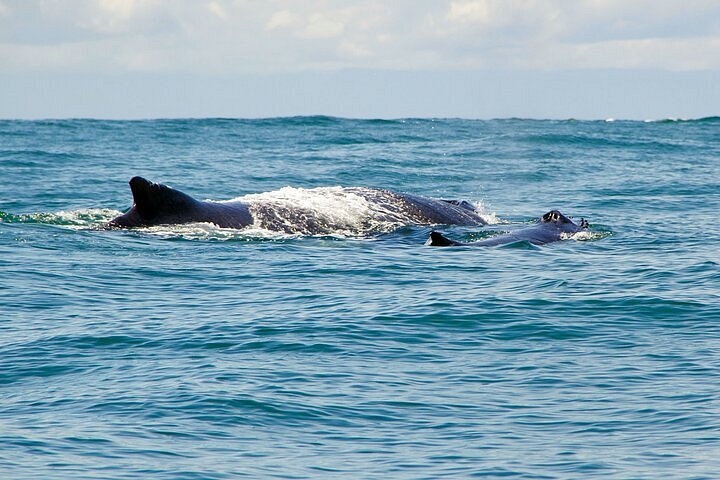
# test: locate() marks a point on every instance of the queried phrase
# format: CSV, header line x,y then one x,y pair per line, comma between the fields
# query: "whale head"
x,y
560,221
154,204
554,216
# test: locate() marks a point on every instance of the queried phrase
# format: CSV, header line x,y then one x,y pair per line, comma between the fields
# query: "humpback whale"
x,y
550,228
157,204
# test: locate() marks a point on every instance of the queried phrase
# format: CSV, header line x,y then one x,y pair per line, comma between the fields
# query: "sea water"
x,y
195,352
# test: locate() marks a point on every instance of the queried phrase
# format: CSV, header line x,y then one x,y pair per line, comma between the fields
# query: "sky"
x,y
635,59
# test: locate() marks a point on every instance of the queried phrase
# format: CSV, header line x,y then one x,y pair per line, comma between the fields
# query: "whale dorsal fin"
x,y
154,199
142,196
437,239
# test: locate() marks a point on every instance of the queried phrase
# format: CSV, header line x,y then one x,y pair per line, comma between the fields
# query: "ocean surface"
x,y
195,352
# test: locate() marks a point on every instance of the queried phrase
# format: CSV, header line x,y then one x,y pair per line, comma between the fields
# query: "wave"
x,y
576,139
601,141
31,156
711,119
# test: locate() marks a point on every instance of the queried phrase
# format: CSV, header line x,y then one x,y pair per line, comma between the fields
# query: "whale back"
x,y
549,228
366,208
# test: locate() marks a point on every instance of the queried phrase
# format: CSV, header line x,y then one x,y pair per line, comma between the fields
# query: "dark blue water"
x,y
193,352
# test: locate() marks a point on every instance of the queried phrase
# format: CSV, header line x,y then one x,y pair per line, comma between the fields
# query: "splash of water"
x,y
74,219
343,211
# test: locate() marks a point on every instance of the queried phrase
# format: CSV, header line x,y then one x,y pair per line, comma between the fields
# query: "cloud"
x,y
244,36
218,10
282,19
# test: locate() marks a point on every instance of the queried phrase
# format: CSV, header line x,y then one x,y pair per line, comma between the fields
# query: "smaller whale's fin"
x,y
153,199
437,239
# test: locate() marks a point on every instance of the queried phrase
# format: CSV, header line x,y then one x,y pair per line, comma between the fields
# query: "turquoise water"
x,y
195,352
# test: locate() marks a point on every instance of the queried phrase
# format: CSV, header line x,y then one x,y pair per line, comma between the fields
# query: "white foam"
x,y
667,119
488,217
581,236
346,212
210,231
76,219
